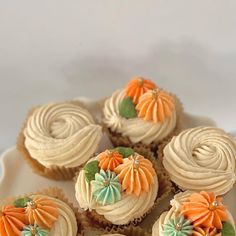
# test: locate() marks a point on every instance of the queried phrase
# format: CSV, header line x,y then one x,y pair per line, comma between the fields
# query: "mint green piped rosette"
x,y
34,230
106,187
178,226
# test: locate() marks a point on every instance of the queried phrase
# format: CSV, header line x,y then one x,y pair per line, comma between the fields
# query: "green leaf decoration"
x,y
228,229
91,168
21,202
124,151
127,108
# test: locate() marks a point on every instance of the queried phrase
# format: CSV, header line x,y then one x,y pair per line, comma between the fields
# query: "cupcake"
x,y
141,114
202,158
195,214
121,186
58,138
40,214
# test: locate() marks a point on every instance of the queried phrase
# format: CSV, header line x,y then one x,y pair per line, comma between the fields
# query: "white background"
x,y
60,49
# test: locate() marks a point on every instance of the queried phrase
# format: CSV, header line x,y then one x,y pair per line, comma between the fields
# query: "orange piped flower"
x,y
205,210
109,160
136,174
155,105
137,87
12,221
42,211
198,231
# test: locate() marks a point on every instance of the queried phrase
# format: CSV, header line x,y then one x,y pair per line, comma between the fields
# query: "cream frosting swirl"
x,y
136,129
66,223
176,202
61,134
202,158
121,212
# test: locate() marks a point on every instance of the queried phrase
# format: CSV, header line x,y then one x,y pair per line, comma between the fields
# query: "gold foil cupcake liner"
x,y
165,188
82,221
118,140
54,172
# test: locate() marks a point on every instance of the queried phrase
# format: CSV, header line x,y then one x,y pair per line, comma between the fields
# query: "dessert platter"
x,y
176,180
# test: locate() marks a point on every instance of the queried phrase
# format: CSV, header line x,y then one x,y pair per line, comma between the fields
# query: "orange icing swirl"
x,y
136,174
109,160
12,221
198,231
155,105
42,211
205,210
137,87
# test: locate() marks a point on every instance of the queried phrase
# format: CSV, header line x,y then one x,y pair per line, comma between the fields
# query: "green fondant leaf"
x,y
127,108
21,202
228,229
124,151
91,168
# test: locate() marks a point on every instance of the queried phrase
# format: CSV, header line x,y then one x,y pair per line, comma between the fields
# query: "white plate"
x,y
17,177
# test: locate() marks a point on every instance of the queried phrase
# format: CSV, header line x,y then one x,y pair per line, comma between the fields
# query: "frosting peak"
x,y
42,211
205,209
137,87
12,220
155,105
106,187
136,174
109,159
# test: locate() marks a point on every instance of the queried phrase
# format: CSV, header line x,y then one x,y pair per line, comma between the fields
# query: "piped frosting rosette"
x,y
59,136
142,113
202,158
118,186
37,215
195,214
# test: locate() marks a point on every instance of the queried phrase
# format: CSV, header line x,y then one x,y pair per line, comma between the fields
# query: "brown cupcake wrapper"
x,y
54,192
165,188
54,172
127,231
118,139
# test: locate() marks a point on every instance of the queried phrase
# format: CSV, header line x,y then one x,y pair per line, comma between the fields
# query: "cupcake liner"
x,y
82,221
165,188
118,140
127,231
54,172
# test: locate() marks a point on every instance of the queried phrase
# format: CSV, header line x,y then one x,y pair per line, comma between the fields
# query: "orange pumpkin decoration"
x,y
12,221
137,87
155,105
136,174
42,211
205,210
207,231
109,160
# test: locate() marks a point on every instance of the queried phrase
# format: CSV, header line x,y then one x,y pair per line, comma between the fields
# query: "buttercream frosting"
x,y
136,129
128,208
202,158
61,134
